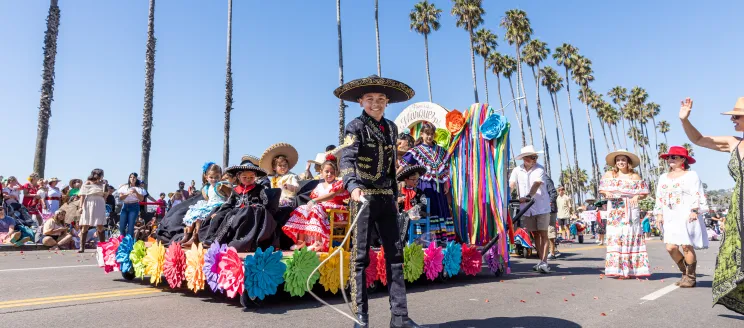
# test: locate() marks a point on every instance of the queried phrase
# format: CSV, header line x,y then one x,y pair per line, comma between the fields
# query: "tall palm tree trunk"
x,y
520,83
47,87
604,133
518,114
228,88
485,79
472,63
557,133
498,86
612,136
625,138
619,141
149,88
595,162
554,99
546,148
341,105
573,127
428,75
377,36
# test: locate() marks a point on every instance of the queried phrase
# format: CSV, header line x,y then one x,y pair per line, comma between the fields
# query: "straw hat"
x,y
275,150
250,158
53,180
610,158
319,159
395,91
738,108
527,151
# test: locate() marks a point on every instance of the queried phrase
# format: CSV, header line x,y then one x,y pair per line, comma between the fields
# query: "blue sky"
x,y
285,69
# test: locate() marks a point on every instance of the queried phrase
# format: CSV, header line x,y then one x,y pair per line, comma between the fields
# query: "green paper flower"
x,y
299,267
442,138
138,253
413,262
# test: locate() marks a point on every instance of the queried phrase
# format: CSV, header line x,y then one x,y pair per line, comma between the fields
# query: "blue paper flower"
x,y
206,166
493,127
211,265
122,253
452,259
264,272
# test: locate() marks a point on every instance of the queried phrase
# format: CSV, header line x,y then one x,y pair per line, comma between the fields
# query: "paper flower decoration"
x,y
471,260
194,273
211,267
136,256
174,266
454,121
154,262
413,262
264,271
433,257
371,270
493,127
452,258
232,274
381,268
106,254
494,261
122,254
442,138
299,267
329,272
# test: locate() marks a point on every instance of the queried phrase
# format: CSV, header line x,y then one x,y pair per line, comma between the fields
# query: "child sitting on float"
x,y
214,192
412,200
309,224
279,159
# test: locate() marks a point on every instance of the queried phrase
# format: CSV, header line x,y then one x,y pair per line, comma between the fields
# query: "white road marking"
x,y
46,268
659,293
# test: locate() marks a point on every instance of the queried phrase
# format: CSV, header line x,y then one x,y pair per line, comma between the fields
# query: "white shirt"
x,y
130,198
524,180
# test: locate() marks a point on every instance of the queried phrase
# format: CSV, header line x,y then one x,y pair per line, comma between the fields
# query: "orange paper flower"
x,y
454,121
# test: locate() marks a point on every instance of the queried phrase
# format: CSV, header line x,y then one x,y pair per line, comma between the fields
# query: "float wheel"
x,y
247,302
129,275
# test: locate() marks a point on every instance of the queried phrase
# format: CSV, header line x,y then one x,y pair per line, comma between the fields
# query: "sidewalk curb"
x,y
11,248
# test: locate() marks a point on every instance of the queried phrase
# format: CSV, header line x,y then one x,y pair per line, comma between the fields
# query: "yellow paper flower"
x,y
329,272
154,262
194,264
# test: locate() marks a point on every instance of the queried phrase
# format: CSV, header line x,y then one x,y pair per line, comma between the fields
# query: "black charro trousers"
x,y
380,211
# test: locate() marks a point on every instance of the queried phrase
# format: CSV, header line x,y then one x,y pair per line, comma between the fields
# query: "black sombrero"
x,y
246,165
410,170
395,91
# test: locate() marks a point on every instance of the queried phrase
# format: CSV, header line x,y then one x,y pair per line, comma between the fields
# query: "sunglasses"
x,y
675,157
736,117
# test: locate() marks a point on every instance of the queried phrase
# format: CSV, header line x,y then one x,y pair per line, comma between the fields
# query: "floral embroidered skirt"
x,y
728,280
313,222
626,248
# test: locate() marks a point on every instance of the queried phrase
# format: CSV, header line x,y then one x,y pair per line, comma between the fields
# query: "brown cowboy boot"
x,y
682,268
83,239
691,279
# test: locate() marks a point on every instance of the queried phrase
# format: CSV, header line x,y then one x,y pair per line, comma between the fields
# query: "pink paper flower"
x,y
471,260
433,257
175,265
106,254
232,274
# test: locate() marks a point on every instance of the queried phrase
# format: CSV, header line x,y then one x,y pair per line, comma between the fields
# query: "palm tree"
x,y
619,95
341,105
583,75
228,88
519,31
552,81
664,129
495,61
653,110
663,149
485,41
510,65
566,55
47,87
377,36
469,15
534,53
149,86
597,103
611,117
575,182
636,105
424,19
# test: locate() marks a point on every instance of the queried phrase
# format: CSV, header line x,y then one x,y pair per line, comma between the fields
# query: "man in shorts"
x,y
564,211
528,180
552,234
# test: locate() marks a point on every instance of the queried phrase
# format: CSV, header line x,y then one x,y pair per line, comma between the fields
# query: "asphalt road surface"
x,y
65,289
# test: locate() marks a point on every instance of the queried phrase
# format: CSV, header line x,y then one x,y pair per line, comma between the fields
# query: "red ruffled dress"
x,y
313,221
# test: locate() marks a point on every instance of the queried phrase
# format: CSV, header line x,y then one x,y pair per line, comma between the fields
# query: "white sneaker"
x,y
551,256
536,267
544,268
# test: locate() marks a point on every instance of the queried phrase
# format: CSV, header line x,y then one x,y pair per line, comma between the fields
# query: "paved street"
x,y
64,289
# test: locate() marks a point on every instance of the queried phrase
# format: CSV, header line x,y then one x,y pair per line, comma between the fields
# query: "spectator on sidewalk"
x,y
564,211
56,233
552,234
7,225
92,207
184,193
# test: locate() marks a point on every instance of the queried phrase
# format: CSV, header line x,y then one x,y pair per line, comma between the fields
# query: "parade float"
x,y
477,141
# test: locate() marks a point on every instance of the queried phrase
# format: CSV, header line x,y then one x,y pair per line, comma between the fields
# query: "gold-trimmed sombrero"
x,y
410,170
395,91
250,158
246,166
275,150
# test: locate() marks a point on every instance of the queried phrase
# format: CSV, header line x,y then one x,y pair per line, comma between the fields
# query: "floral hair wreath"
x,y
206,166
331,157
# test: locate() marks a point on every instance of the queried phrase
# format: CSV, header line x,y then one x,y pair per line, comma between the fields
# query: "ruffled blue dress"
x,y
202,208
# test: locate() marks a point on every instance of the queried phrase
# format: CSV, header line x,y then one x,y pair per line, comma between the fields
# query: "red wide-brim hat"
x,y
678,151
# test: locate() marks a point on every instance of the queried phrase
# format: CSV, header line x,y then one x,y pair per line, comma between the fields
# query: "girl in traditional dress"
x,y
601,221
680,204
214,196
436,182
279,159
31,197
412,200
309,224
53,196
623,188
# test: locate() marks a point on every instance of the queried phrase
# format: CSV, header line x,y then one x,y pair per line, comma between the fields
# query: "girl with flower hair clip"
x,y
309,224
215,192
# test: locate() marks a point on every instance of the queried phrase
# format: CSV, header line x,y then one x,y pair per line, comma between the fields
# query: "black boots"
x,y
364,319
403,322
